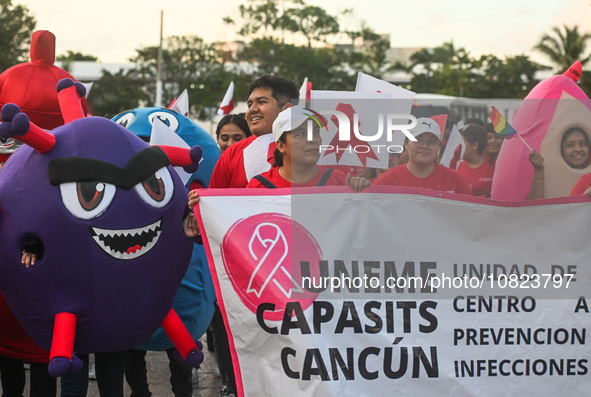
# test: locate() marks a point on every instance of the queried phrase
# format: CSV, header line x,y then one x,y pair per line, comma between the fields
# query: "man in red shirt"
x,y
421,169
268,95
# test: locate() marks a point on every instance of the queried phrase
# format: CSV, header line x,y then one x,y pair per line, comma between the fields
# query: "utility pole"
x,y
159,74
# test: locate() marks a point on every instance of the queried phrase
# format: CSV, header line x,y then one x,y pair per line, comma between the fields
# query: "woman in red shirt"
x,y
296,157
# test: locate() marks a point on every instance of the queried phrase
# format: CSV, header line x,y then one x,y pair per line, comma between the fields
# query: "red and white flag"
x,y
181,104
228,101
454,151
305,92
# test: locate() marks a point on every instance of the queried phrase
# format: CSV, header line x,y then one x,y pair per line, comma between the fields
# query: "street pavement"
x,y
158,377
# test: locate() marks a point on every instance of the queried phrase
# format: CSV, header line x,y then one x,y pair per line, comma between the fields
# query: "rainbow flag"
x,y
501,126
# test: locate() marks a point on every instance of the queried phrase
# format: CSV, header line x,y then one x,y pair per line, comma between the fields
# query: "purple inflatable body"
x,y
117,266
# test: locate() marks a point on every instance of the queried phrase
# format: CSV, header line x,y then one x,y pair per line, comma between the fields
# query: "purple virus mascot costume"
x,y
104,212
194,301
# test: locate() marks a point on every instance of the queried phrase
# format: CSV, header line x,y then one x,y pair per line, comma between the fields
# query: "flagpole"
x,y
516,133
159,71
498,120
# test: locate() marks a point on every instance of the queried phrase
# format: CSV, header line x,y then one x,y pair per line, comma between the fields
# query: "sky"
x,y
112,30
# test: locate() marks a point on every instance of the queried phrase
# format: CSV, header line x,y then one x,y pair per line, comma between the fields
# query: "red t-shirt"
x,y
479,179
442,178
229,171
337,178
582,184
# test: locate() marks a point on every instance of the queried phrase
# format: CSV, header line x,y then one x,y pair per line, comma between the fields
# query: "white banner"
x,y
401,291
365,117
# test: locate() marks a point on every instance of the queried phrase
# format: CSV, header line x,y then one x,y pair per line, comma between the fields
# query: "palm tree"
x,y
564,48
425,58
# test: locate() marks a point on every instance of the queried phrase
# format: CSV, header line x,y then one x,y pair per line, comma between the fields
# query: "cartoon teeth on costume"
x,y
129,243
194,301
104,212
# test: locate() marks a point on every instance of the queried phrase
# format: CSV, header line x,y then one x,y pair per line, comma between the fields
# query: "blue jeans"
x,y
109,367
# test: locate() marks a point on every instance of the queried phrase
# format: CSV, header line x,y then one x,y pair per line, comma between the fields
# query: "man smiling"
x,y
268,95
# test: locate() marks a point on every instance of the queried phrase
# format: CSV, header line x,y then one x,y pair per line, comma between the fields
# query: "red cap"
x,y
575,71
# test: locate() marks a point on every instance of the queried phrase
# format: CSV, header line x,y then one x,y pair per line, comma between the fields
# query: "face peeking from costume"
x,y
104,212
545,120
141,121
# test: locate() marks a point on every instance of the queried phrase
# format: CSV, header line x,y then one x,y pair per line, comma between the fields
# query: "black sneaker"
x,y
227,393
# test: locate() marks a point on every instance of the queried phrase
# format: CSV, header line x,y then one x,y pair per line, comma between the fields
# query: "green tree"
x,y
373,59
325,67
187,63
363,30
75,56
313,22
564,48
452,71
443,70
425,61
260,16
115,93
513,77
15,36
264,23
71,56
457,71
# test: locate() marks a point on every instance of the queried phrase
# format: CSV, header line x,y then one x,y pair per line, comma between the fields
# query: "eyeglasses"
x,y
431,143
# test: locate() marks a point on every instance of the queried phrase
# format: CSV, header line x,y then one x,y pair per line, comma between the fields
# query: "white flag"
x,y
304,93
181,104
162,135
367,83
228,101
454,151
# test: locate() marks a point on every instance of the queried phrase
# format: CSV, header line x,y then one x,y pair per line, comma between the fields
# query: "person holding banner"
x,y
268,95
583,186
577,145
296,157
372,174
475,169
422,171
537,184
